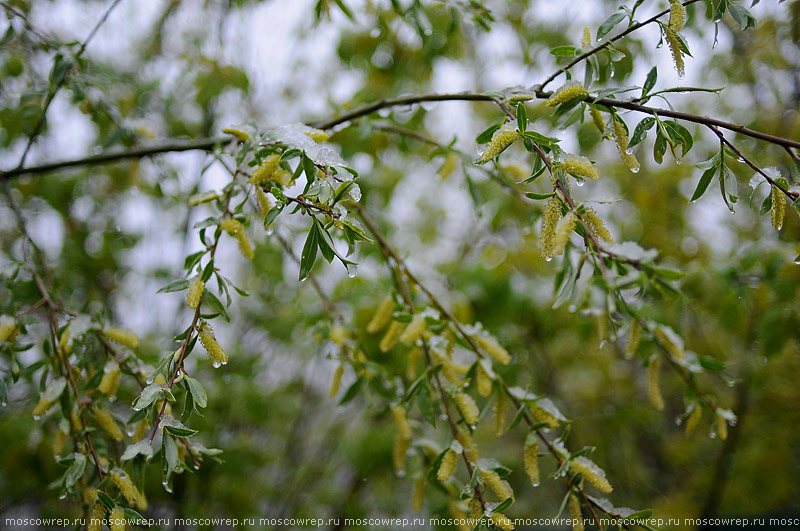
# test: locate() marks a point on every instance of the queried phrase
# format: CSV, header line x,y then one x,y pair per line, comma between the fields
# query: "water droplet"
x,y
635,169
166,486
401,473
488,513
352,270
713,435
681,74
580,183
216,365
536,484
629,151
112,398
269,230
196,466
548,258
731,383
3,403
375,33
384,113
37,417
678,161
63,496
740,160
678,421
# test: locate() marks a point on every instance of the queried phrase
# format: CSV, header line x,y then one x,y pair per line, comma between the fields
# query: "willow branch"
x,y
607,43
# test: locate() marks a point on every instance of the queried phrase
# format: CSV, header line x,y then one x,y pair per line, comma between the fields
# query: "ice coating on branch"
x,y
632,251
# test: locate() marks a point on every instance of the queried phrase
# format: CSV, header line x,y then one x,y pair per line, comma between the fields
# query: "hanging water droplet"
x,y
63,496
401,473
536,484
166,486
580,183
355,192
196,466
740,160
548,258
37,417
352,270
635,169
375,33
629,151
216,365
678,421
731,383
713,435
269,230
3,403
678,161
681,74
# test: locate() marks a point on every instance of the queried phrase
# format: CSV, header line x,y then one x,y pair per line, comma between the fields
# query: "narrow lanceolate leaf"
x,y
705,180
198,392
309,254
522,118
177,285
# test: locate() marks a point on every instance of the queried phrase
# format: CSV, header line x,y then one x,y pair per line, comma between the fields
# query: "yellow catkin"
x,y
140,430
414,355
483,382
447,465
8,328
111,378
382,315
493,348
75,420
500,487
501,139
267,170
575,514
674,42
677,15
338,334
653,389
586,41
459,516
621,139
235,229
240,135
468,408
499,410
475,508
107,423
64,343
414,330
399,453
722,427
44,404
580,165
336,383
89,495
634,337
96,519
694,419
502,521
116,520
454,372
550,217
564,228
778,210
128,490
264,204
59,441
542,415
123,336
203,197
392,335
448,166
597,119
465,438
567,93
418,494
531,461
401,420
591,473
596,225
215,352
195,292
318,135
669,344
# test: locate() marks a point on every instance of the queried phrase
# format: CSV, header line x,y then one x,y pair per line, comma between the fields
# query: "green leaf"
x,y
147,396
309,254
522,117
140,448
705,180
711,364
180,431
766,206
198,392
170,453
503,505
75,470
177,285
650,82
640,132
215,304
273,213
533,195
106,500
487,133
564,51
659,147
609,24
679,134
741,15
190,261
352,391
3,392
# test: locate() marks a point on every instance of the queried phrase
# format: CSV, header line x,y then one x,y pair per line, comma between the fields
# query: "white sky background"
x,y
276,46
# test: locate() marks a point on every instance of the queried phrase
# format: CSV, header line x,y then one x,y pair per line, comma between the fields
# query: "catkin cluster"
x,y
501,139
621,139
215,351
568,92
235,229
270,171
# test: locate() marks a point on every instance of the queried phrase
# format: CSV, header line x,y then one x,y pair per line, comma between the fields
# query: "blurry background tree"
x,y
490,327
